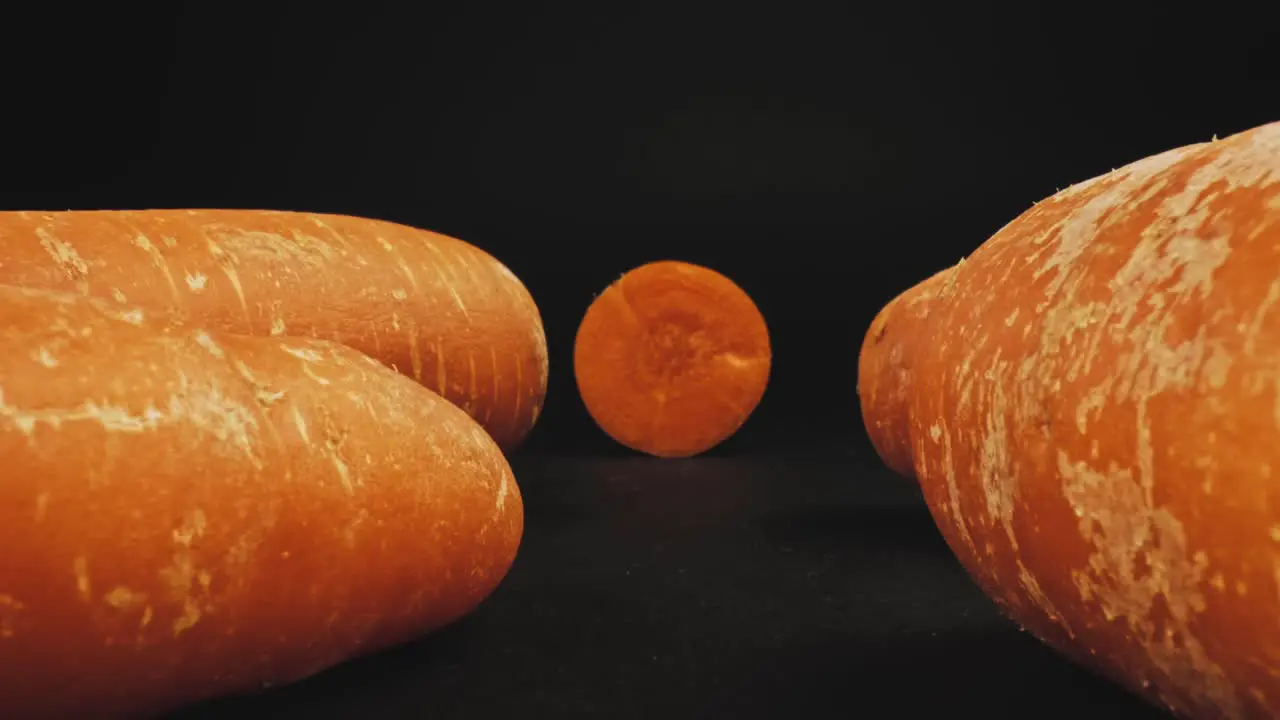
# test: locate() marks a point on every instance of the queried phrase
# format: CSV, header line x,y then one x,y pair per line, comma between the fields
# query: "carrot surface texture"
x,y
187,514
671,359
1090,403
433,307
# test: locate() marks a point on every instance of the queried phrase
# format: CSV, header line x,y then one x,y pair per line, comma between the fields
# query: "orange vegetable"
x,y
1090,404
187,513
436,308
671,359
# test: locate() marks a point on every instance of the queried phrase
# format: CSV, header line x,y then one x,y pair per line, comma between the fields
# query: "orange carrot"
x,y
1090,404
671,359
187,513
438,309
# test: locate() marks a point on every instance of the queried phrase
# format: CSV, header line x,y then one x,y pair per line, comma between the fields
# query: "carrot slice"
x,y
671,359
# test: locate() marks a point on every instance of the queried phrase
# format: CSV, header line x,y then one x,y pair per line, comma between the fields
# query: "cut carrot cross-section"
x,y
671,359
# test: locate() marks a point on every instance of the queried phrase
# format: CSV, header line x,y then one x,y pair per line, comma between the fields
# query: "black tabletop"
x,y
716,586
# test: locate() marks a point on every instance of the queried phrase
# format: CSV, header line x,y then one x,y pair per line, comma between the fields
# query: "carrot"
x,y
191,513
671,359
1090,404
433,307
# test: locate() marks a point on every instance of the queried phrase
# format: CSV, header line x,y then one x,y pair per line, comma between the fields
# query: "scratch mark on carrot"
x,y
401,263
65,257
415,357
408,271
440,370
450,285
471,372
196,282
464,262
488,408
158,259
227,264
301,423
80,569
501,501
515,411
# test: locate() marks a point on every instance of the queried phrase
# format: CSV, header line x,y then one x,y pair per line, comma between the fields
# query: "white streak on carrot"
x,y
133,316
206,342
304,354
344,472
461,260
457,298
301,423
488,408
440,370
122,598
227,264
515,410
65,257
264,394
400,262
306,370
204,407
80,570
471,372
45,357
408,271
450,284
415,357
1255,324
307,356
501,501
157,258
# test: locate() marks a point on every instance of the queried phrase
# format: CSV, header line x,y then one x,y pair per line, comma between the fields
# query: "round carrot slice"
x,y
671,359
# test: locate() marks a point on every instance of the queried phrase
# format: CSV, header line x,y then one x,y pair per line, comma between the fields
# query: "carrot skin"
x,y
1089,404
187,513
433,307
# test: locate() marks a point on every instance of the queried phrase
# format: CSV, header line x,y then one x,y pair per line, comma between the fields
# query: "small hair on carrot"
x,y
671,359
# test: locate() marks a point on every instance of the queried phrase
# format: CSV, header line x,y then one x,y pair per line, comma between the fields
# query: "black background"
x,y
825,159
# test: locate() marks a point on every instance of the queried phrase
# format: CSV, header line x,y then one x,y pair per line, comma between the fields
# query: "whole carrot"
x,y
433,307
186,513
1091,404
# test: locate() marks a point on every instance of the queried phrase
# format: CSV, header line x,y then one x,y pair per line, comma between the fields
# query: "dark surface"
x,y
739,587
